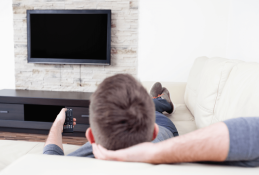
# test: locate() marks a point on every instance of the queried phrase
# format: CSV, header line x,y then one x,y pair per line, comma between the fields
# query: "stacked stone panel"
x,y
69,77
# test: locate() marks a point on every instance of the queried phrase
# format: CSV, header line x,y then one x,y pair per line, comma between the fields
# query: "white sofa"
x,y
217,89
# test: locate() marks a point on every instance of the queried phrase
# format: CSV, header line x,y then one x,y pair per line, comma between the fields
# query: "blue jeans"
x,y
162,105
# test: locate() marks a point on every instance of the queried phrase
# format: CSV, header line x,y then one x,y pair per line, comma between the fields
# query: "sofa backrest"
x,y
206,83
240,96
193,83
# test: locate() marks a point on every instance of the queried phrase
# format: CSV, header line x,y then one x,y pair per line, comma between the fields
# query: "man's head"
x,y
122,113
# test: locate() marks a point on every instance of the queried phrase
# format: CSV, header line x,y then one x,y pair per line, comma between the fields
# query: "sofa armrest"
x,y
50,164
176,89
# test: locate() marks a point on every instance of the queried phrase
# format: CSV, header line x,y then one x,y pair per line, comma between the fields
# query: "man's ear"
x,y
89,135
156,130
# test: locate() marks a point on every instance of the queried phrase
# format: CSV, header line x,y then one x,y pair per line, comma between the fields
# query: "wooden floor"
x,y
40,138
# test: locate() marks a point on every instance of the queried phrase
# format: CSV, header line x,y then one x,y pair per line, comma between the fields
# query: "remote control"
x,y
68,125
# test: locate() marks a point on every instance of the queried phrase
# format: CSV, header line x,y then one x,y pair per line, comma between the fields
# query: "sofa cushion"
x,y
52,165
11,150
181,113
193,83
202,96
240,96
182,119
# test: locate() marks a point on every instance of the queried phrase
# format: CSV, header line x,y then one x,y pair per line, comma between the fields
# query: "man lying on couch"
x,y
122,114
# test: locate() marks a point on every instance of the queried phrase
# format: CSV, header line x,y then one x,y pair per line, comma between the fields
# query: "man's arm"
x,y
206,144
55,134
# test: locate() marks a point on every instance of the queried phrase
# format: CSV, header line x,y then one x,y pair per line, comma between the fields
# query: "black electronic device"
x,y
69,36
68,125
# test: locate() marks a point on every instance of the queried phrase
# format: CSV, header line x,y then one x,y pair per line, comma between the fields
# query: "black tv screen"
x,y
69,36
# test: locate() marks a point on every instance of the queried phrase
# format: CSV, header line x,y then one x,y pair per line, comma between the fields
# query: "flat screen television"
x,y
69,36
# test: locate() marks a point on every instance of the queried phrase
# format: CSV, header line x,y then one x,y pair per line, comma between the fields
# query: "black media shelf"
x,y
33,111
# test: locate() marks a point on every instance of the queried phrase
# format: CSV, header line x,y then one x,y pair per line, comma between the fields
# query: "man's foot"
x,y
156,89
166,95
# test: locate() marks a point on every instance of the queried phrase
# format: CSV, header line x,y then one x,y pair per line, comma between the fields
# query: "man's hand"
x,y
55,133
143,152
60,120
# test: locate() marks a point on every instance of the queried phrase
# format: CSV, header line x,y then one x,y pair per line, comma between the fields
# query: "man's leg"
x,y
161,98
162,105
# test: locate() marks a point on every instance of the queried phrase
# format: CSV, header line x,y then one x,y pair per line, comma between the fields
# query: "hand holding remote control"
x,y
62,118
68,125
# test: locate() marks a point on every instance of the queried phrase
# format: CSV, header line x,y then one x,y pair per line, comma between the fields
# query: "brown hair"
x,y
122,113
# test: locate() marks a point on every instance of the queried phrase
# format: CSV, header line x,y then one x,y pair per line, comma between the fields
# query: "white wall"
x,y
172,33
243,36
6,45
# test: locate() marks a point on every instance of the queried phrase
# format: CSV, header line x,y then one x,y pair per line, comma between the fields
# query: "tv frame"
x,y
70,61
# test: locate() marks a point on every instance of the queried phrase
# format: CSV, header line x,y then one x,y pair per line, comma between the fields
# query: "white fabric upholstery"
x,y
240,96
202,96
53,165
11,150
193,83
182,119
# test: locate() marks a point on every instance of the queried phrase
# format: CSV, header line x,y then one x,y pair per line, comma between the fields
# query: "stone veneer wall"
x,y
61,77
